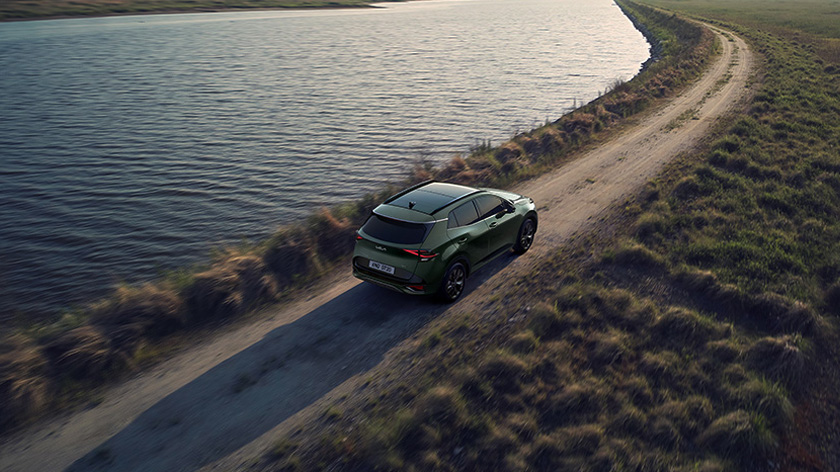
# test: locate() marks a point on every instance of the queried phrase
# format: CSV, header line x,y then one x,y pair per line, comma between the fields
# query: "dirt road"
x,y
219,403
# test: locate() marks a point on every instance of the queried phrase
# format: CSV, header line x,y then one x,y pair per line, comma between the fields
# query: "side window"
x,y
488,205
462,216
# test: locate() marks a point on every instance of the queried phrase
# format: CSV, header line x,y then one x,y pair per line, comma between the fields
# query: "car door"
x,y
502,224
468,232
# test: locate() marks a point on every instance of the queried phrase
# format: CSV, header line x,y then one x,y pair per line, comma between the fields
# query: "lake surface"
x,y
132,145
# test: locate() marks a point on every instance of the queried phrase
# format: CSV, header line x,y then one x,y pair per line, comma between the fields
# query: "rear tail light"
x,y
359,237
418,288
423,254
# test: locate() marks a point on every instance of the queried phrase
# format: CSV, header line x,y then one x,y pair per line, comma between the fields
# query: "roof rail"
x,y
409,189
455,200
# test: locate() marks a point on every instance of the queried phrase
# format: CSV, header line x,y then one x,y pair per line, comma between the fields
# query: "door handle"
x,y
463,240
493,224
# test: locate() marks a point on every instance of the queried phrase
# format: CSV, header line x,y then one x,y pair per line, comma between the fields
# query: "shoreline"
x,y
202,10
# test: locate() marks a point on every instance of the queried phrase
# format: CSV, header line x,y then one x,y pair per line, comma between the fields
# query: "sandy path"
x,y
220,403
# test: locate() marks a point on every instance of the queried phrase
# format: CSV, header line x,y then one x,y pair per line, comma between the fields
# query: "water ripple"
x,y
132,145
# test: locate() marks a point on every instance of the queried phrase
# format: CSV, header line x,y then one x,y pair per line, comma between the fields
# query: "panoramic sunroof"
x,y
429,198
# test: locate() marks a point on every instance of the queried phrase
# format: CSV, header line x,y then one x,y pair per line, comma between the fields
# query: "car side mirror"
x,y
509,208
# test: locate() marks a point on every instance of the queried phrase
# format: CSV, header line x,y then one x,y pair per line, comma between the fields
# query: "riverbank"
x,y
46,367
22,10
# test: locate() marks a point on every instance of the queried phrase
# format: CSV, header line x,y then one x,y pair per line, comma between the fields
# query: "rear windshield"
x,y
395,231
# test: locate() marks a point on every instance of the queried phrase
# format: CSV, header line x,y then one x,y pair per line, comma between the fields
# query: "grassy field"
x,y
696,333
37,9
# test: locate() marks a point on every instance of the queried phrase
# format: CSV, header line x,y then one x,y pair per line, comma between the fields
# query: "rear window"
x,y
395,231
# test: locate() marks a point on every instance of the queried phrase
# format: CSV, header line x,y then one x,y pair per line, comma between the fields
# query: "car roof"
x,y
430,197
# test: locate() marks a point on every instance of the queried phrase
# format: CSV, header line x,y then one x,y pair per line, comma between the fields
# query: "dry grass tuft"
x,y
780,358
783,314
547,323
147,310
635,255
662,368
691,415
84,353
679,328
504,371
524,342
722,351
738,435
24,387
578,403
607,348
696,280
230,288
638,390
767,398
451,169
629,421
442,405
288,260
333,236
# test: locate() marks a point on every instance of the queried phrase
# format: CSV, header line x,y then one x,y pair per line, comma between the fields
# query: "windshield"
x,y
395,231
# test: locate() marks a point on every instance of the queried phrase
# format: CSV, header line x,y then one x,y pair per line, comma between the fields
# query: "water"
x,y
131,145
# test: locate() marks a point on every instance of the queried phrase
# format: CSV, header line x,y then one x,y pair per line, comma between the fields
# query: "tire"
x,y
452,285
525,237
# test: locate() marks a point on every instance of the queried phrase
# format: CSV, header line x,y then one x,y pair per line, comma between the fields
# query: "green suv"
x,y
428,238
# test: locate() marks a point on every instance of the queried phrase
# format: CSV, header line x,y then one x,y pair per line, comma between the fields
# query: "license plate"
x,y
381,267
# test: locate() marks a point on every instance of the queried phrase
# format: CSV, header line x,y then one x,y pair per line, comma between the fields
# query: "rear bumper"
x,y
402,287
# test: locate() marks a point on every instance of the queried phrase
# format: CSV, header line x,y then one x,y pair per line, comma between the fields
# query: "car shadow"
x,y
258,388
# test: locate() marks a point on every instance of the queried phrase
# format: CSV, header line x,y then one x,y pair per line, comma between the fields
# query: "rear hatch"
x,y
382,243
